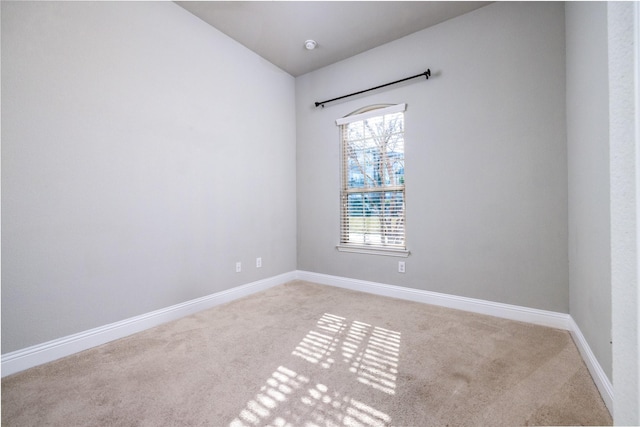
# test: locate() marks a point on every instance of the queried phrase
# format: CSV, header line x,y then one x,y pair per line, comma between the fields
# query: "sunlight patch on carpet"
x,y
371,352
306,406
319,345
368,352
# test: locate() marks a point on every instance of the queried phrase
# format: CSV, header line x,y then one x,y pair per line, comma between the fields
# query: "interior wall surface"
x,y
486,157
143,154
624,139
588,175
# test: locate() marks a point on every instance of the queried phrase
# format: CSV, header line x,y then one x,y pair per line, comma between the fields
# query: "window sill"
x,y
373,250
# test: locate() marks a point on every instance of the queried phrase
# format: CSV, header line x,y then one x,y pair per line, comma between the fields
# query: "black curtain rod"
x,y
426,74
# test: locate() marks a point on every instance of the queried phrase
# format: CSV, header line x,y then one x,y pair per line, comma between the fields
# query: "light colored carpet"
x,y
303,354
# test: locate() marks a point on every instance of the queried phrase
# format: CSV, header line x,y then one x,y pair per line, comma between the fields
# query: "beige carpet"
x,y
302,354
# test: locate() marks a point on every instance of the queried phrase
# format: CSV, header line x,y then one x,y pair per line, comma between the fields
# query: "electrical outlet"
x,y
400,266
258,262
238,267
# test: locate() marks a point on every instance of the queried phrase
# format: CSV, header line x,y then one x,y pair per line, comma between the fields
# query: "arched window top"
x,y
371,111
369,108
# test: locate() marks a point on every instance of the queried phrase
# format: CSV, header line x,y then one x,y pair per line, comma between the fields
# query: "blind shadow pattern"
x,y
288,398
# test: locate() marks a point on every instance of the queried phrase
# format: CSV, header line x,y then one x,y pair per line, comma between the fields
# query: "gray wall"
x,y
486,168
588,172
143,153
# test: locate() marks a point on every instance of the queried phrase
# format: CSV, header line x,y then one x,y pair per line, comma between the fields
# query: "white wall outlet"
x,y
400,266
238,267
258,262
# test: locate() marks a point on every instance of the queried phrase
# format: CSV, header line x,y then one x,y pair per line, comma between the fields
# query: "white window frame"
x,y
359,115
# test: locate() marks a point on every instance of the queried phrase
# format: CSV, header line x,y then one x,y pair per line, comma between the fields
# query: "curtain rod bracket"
x,y
426,74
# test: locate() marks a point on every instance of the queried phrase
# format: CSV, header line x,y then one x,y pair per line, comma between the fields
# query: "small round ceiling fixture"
x,y
310,44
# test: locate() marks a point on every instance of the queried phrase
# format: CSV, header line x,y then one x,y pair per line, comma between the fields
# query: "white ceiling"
x,y
277,30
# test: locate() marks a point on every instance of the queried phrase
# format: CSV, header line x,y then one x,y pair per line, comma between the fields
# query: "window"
x,y
372,194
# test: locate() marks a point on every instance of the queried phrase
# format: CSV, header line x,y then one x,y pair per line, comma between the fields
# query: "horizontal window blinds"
x,y
372,186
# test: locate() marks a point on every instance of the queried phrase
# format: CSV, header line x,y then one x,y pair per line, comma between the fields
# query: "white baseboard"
x,y
506,311
49,351
599,377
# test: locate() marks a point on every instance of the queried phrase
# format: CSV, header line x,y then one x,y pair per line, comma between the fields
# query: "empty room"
x,y
320,213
